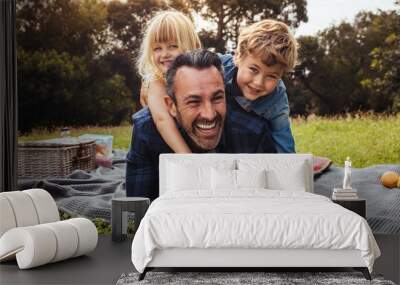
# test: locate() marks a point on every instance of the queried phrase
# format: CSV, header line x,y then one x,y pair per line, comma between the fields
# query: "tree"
x,y
304,91
341,66
333,64
384,79
386,85
76,27
56,89
65,73
127,21
231,15
208,39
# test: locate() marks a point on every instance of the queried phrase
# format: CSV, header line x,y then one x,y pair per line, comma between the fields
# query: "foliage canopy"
x,y
76,58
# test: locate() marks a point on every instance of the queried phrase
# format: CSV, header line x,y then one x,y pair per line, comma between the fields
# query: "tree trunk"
x,y
220,42
332,105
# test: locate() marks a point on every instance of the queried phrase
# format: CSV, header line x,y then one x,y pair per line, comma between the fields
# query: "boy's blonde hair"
x,y
271,40
164,27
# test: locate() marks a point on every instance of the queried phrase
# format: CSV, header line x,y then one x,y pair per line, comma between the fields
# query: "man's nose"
x,y
208,111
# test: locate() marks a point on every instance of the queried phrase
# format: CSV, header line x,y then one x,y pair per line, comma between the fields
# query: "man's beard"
x,y
196,143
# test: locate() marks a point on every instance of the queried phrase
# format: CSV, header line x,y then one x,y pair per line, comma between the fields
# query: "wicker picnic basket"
x,y
55,157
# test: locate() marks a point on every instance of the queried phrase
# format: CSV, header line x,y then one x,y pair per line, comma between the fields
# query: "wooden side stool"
x,y
119,214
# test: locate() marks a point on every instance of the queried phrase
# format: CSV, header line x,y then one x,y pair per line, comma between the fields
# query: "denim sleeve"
x,y
280,124
284,141
141,175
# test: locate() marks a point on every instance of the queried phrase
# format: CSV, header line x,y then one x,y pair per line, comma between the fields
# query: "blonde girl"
x,y
167,35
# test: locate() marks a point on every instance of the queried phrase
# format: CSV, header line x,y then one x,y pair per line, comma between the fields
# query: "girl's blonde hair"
x,y
166,26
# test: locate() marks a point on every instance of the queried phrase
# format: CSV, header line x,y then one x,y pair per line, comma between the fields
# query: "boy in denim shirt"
x,y
266,50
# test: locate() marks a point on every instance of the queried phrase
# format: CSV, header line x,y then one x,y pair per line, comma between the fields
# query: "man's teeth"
x,y
206,126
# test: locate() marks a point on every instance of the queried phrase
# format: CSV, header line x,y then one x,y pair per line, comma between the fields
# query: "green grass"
x,y
103,227
121,134
367,139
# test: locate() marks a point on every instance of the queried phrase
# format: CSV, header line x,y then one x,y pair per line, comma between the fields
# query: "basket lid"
x,y
68,141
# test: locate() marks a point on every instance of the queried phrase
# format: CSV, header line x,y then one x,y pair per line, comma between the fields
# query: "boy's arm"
x,y
284,141
279,123
163,120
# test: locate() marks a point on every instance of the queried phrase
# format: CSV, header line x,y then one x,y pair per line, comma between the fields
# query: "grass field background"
x,y
368,139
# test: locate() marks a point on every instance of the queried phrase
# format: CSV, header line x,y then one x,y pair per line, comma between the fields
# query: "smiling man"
x,y
197,101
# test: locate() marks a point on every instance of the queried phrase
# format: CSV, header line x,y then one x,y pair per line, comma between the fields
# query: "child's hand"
x,y
144,94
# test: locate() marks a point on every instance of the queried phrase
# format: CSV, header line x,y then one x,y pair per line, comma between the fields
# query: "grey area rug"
x,y
242,278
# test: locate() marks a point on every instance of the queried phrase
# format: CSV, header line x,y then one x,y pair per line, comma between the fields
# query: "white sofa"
x,y
31,231
247,210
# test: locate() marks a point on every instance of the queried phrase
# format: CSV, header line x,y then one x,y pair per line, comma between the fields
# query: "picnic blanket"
x,y
89,194
383,204
82,193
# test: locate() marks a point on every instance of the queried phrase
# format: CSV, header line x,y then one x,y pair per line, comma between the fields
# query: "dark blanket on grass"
x,y
383,204
85,194
90,194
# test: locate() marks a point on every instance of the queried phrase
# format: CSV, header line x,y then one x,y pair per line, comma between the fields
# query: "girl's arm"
x,y
163,120
144,89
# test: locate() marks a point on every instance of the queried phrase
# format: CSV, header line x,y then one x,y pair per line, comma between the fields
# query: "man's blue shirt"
x,y
274,107
243,133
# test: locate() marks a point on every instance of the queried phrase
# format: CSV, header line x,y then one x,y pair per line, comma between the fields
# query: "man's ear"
x,y
171,106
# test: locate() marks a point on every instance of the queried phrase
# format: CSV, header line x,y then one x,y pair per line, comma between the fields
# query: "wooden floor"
x,y
389,262
110,259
